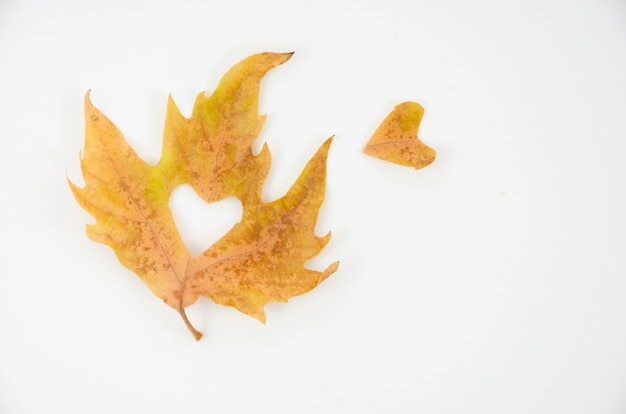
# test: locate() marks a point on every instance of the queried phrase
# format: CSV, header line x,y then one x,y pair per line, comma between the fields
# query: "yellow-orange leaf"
x,y
261,259
396,138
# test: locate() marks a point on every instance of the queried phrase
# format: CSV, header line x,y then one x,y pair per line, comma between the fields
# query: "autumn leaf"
x,y
261,258
396,138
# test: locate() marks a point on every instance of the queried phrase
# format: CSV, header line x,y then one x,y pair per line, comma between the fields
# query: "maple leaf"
x,y
261,258
396,140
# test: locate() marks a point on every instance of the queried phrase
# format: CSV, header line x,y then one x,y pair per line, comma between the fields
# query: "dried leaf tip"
x,y
396,138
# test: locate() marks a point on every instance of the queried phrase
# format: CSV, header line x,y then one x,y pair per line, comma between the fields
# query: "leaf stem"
x,y
197,334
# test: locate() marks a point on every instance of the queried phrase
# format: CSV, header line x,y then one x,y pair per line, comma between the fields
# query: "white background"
x,y
493,281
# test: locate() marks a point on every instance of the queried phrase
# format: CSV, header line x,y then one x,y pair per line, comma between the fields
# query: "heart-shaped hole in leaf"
x,y
201,224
